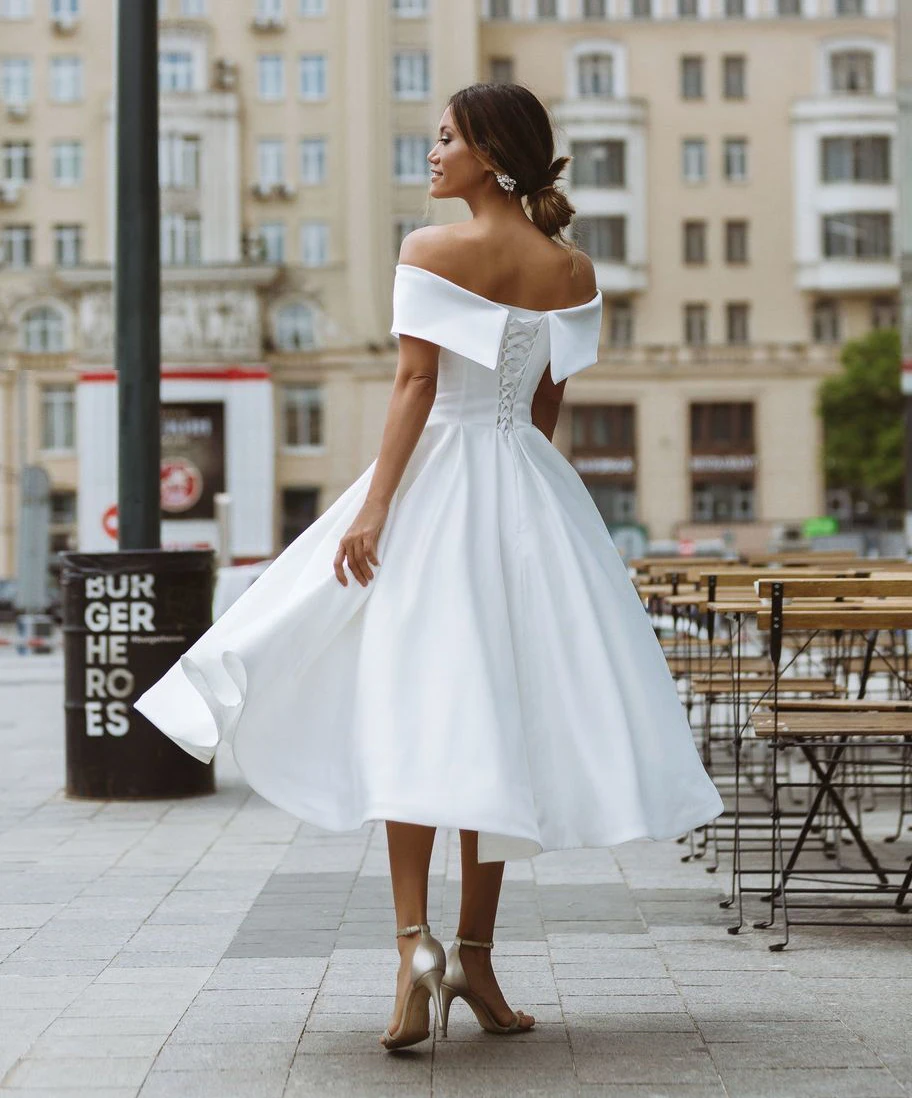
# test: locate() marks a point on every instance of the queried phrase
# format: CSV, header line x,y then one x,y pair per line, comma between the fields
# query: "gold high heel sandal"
x,y
456,983
428,965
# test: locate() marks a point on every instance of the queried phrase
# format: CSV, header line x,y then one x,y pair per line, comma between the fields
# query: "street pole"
x,y
137,277
904,162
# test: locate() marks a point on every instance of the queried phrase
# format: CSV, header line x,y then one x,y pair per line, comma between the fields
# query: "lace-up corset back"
x,y
501,397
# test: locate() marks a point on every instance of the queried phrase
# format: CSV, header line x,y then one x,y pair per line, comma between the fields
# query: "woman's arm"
x,y
414,390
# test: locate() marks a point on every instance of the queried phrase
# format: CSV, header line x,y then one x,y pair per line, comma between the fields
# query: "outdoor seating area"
x,y
795,673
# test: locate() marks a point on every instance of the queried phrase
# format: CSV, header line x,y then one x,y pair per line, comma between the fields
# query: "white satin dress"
x,y
499,673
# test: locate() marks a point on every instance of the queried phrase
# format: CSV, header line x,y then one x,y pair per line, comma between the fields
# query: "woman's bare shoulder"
x,y
430,247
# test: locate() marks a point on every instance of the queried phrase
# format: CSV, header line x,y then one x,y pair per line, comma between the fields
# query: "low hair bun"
x,y
549,207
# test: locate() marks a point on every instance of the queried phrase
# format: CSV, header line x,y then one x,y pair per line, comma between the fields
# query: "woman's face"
x,y
455,169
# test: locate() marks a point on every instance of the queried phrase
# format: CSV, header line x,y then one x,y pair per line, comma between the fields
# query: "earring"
x,y
505,181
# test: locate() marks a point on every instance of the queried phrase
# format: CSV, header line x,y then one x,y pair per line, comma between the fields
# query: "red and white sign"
x,y
181,485
109,522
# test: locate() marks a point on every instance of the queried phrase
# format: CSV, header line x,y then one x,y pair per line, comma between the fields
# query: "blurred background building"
x,y
734,175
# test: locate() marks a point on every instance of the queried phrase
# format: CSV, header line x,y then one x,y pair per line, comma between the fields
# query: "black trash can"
x,y
127,617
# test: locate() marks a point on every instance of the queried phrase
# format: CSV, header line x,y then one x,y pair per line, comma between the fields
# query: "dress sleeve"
x,y
575,335
433,308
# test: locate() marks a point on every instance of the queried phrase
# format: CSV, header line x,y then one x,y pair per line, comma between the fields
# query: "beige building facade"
x,y
735,178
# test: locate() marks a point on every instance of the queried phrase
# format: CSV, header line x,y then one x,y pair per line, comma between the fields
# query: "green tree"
x,y
862,411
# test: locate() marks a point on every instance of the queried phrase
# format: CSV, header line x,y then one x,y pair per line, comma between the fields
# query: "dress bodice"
x,y
515,345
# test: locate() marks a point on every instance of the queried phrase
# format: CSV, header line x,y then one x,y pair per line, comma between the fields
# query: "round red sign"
x,y
181,484
109,521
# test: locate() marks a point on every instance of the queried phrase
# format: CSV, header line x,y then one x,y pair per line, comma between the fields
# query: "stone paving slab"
x,y
216,947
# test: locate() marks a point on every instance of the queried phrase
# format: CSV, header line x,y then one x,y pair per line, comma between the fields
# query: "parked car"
x,y
9,611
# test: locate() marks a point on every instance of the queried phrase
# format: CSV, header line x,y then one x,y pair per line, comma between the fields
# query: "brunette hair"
x,y
509,128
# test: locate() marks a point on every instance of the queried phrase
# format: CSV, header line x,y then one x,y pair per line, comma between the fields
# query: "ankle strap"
x,y
469,942
401,933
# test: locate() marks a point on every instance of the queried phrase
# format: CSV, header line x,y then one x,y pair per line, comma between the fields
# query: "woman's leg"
x,y
481,883
410,847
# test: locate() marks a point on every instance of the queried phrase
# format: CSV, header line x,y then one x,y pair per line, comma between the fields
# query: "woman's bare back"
x,y
514,266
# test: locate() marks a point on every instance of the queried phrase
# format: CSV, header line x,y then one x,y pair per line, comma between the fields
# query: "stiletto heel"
x,y
447,994
433,982
455,982
428,965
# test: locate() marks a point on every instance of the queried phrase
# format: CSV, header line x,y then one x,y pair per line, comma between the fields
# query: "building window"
x,y
598,163
695,325
180,239
66,79
178,161
734,9
602,238
63,521
175,71
410,153
499,9
193,9
302,415
15,9
64,9
16,164
313,160
730,500
272,236
68,245
312,76
593,9
16,245
410,9
299,509
604,455
737,314
620,324
501,70
641,9
411,74
314,243
694,241
826,321
734,77
269,9
311,8
595,75
852,72
43,334
736,235
693,160
16,80
270,162
691,77
58,417
687,9
788,7
858,236
850,7
546,9
734,159
271,76
855,159
66,163
722,462
884,312
294,327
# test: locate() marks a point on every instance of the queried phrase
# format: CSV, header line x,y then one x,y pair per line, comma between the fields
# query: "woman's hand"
x,y
359,543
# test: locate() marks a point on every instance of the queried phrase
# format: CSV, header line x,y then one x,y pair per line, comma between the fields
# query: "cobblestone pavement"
x,y
218,947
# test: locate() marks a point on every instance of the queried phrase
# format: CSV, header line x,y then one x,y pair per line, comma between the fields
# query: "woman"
x,y
492,669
